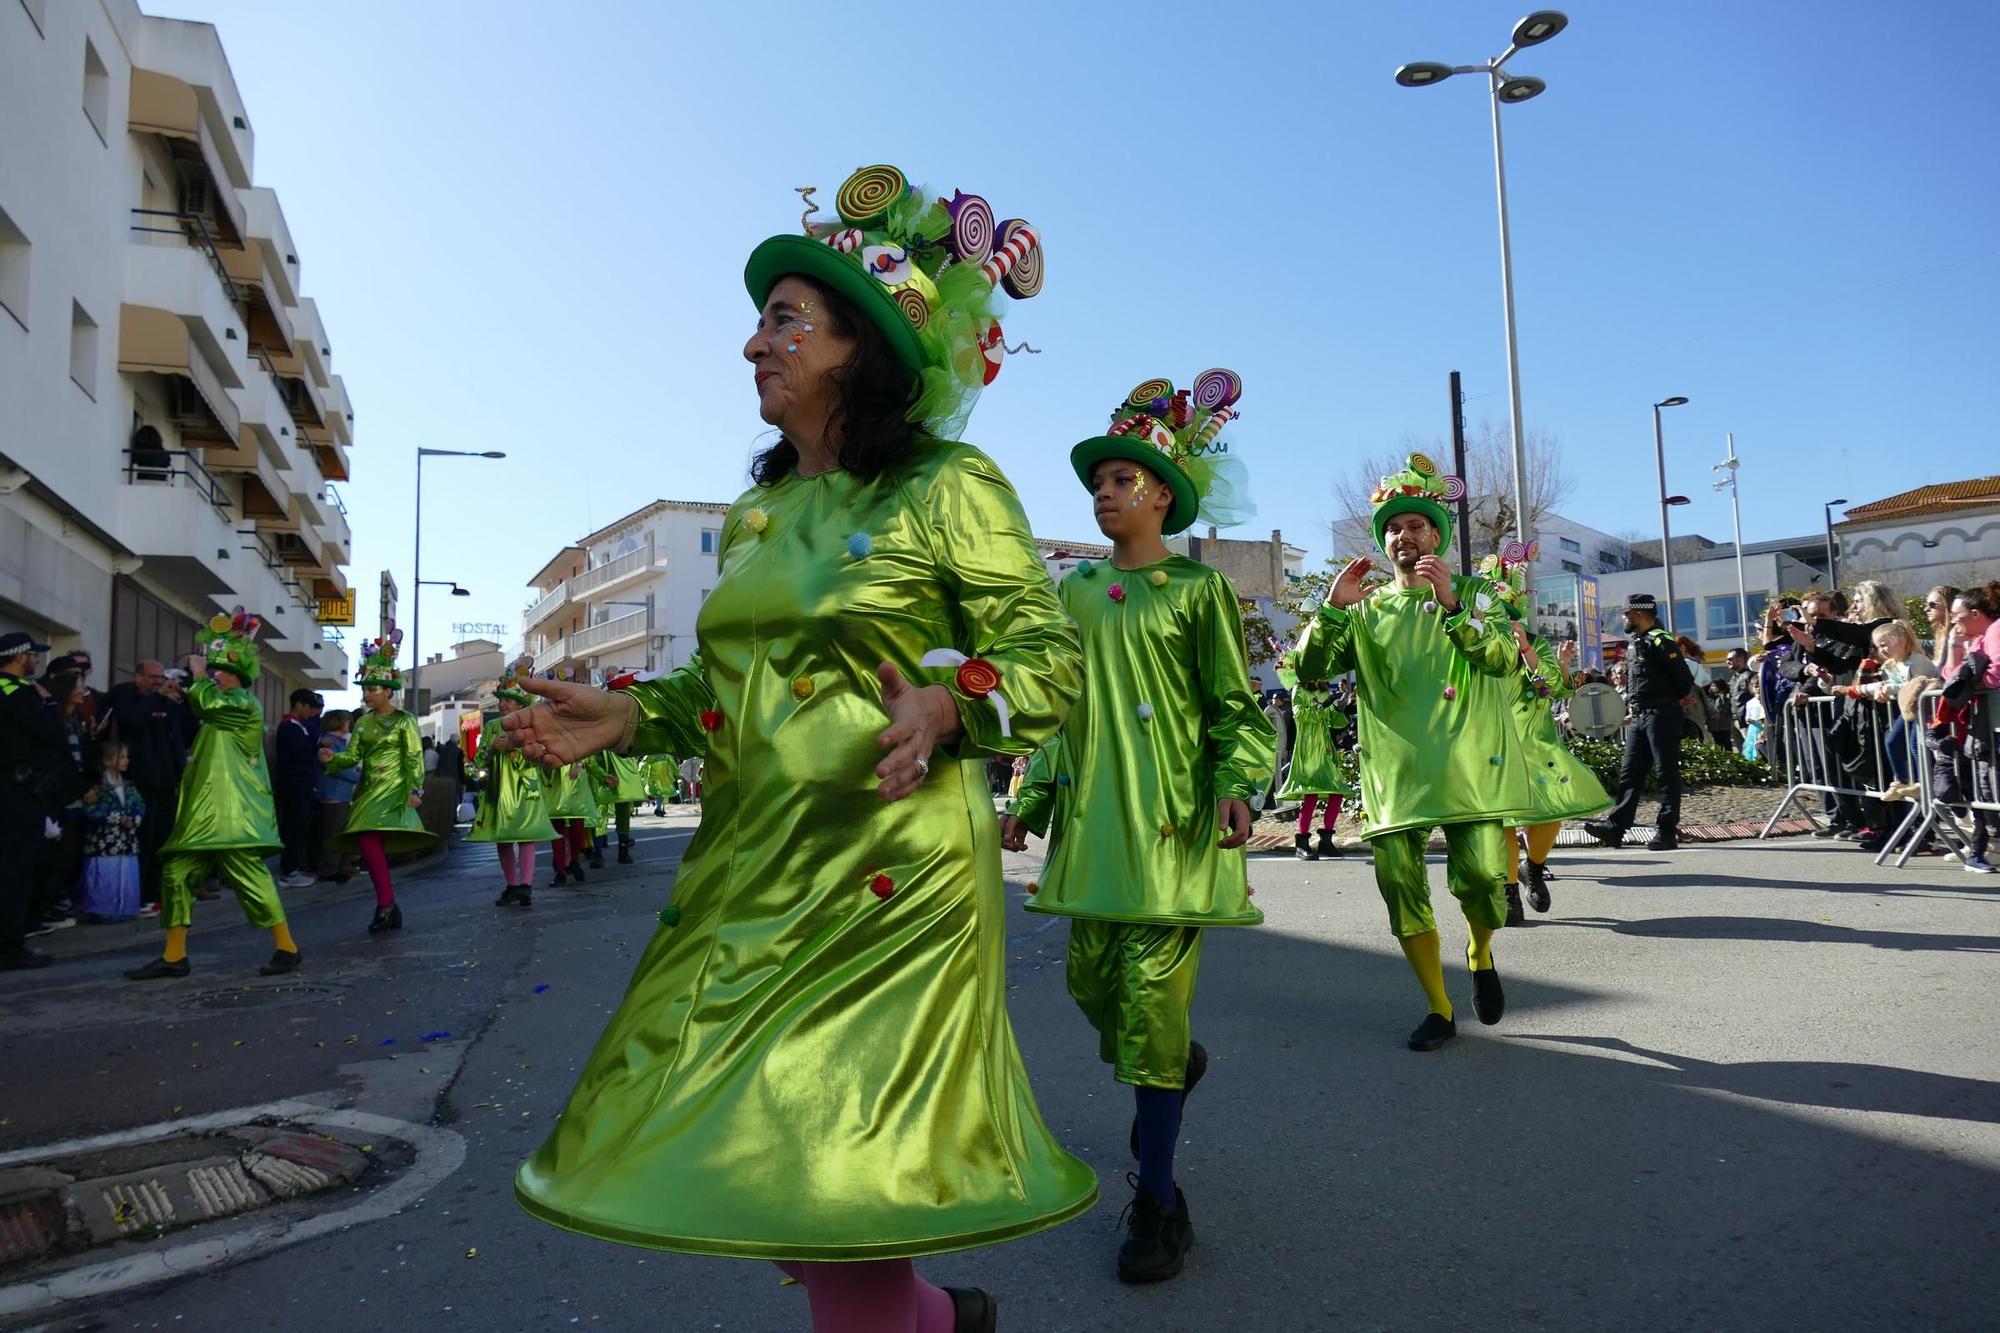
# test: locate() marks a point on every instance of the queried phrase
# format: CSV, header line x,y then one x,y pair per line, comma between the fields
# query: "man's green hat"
x,y
1417,489
230,643
1177,433
378,660
509,684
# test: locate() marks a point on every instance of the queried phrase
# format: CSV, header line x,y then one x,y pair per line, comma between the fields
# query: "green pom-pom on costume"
x,y
670,916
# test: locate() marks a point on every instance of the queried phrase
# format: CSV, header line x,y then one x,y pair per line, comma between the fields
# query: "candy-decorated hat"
x,y
1417,489
1507,571
509,684
1178,434
378,660
230,643
922,268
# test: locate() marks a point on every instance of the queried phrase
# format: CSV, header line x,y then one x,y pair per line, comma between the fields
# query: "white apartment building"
x,y
172,420
1944,533
1568,547
625,597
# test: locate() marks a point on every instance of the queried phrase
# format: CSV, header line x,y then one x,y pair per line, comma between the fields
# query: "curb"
x,y
1572,835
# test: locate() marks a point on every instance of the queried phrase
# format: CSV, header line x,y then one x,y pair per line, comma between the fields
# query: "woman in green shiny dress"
x,y
511,812
814,1061
383,817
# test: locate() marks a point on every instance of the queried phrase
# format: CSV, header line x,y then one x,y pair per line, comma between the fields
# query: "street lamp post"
x,y
1505,88
1728,483
1666,502
417,593
1832,552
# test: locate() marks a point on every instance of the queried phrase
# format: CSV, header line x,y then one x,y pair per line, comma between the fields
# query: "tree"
x,y
1489,484
1260,641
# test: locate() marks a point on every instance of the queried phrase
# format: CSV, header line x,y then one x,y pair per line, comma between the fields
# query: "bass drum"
x,y
1596,710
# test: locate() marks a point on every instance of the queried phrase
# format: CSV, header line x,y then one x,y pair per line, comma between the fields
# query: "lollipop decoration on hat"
x,y
509,685
230,642
378,660
1507,571
1177,433
924,269
1417,489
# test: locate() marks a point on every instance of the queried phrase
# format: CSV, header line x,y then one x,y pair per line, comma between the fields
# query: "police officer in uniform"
x,y
1657,679
32,749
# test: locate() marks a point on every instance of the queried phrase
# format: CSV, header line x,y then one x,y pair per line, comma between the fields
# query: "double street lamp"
x,y
1506,89
417,594
1727,467
1666,502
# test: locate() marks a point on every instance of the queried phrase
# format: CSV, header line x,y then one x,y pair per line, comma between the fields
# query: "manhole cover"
x,y
262,996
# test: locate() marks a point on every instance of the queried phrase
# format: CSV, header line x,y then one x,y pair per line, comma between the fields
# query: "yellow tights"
x,y
1422,951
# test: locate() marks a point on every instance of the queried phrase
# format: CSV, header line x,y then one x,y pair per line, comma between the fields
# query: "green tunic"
x,y
814,1061
1437,743
1315,769
630,773
510,795
1167,726
569,797
1562,786
391,754
225,795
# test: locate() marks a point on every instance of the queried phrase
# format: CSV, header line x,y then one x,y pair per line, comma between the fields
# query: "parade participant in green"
x,y
511,812
226,823
1314,777
1560,785
1431,658
1148,787
383,816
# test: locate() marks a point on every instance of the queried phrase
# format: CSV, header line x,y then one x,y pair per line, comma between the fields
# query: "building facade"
x,y
1947,533
173,423
1705,606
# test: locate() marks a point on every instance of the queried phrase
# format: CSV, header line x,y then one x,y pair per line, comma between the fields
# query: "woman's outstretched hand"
x,y
571,723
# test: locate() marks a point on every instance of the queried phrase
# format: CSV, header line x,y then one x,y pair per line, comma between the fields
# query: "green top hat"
x,y
922,269
1177,433
230,643
378,660
509,684
1507,571
1417,489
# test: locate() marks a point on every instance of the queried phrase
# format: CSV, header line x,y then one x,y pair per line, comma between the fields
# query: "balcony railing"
x,y
587,641
174,467
333,497
552,656
274,561
610,571
551,601
192,230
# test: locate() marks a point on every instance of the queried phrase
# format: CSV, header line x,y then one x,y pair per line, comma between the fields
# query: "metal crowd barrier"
x,y
1811,761
1930,816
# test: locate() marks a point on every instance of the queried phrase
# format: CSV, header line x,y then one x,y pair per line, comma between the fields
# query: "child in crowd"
x,y
336,793
112,811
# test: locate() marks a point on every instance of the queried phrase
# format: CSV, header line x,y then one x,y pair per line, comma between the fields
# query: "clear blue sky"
x,y
525,225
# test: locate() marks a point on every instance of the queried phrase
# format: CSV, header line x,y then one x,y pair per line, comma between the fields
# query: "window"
x,y
1725,623
96,90
711,541
1683,622
1753,606
1607,559
1572,567
1572,547
83,350
13,269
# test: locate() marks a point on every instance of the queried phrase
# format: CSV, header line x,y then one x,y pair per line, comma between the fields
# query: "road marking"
x,y
440,1152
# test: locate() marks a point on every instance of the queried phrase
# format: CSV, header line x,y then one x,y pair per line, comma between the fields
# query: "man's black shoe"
x,y
576,872
1433,1032
20,958
283,961
1604,831
1157,1239
1197,1065
1489,1002
1831,830
1664,842
1515,916
160,968
1538,884
973,1310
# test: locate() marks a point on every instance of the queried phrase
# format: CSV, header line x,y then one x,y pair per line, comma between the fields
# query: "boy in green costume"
x,y
1431,658
1150,781
226,824
511,813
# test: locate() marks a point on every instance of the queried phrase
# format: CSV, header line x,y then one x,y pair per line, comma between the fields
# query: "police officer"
x,y
32,748
1657,679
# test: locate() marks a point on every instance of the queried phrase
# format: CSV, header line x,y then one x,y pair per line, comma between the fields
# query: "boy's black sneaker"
x,y
1157,1238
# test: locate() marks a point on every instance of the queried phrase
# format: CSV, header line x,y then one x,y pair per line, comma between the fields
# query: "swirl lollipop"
x,y
868,193
1217,388
1024,278
1143,397
1421,465
1511,552
913,305
971,238
1533,548
1454,490
993,349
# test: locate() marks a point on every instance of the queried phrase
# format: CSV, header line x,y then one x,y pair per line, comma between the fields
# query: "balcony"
x,y
615,576
157,342
169,275
552,656
207,165
553,601
617,632
175,513
333,530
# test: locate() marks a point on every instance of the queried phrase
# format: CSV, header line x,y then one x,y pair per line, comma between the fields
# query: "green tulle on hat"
x,y
378,660
1178,434
1418,489
509,684
1507,571
229,642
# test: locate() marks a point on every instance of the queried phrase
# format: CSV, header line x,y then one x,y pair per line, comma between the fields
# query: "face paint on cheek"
x,y
799,335
1139,492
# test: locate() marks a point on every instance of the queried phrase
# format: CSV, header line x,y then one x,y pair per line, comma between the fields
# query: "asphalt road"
x,y
1738,1086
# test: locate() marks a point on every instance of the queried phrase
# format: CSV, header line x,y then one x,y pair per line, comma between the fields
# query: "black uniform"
x,y
1657,678
33,753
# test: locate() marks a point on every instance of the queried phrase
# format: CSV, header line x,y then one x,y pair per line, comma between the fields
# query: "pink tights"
x,y
517,862
377,861
1306,812
872,1296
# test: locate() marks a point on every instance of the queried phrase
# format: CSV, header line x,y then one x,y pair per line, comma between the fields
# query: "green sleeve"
x,y
351,756
1007,610
1326,648
1481,633
1552,670
1036,804
412,742
670,709
225,710
1241,742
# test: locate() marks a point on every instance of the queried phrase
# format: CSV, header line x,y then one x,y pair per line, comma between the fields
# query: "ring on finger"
x,y
923,768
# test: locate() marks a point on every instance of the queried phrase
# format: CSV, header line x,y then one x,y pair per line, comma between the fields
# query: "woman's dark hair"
x,y
870,418
1984,599
61,685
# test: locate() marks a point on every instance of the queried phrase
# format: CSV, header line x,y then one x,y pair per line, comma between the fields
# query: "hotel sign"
x,y
337,610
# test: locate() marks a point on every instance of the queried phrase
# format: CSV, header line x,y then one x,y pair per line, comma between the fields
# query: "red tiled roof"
x,y
1976,492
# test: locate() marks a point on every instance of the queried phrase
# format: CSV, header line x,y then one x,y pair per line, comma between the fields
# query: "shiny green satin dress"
x,y
1562,785
630,773
1315,769
391,754
1168,725
570,797
510,795
815,1061
225,795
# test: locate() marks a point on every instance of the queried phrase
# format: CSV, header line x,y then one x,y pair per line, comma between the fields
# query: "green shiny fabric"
x,y
1434,695
569,797
391,754
510,795
1168,725
1561,785
1315,769
802,1069
1135,983
225,795
631,779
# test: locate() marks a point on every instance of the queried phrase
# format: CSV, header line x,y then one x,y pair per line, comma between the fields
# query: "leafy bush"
x,y
1703,764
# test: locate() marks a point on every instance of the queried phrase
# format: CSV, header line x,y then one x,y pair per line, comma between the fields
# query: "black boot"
x,y
283,962
1158,1238
576,871
557,882
1302,847
515,895
386,918
624,851
1665,840
597,856
1326,847
973,1310
1515,916
1604,831
160,969
1538,885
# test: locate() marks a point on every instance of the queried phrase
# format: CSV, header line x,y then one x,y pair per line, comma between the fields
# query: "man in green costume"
x,y
226,824
1150,782
1431,657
